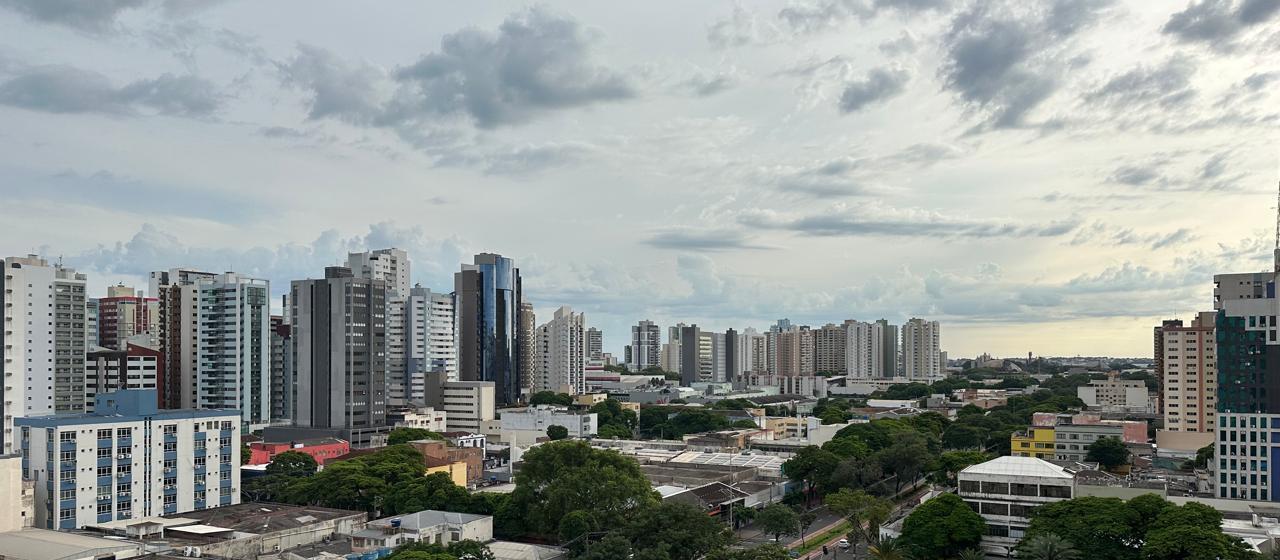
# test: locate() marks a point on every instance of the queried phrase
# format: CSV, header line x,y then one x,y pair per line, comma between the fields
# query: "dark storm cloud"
x,y
878,85
63,89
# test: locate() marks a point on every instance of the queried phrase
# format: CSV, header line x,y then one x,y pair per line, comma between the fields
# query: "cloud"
x,y
103,189
927,153
538,61
869,220
1165,172
1161,88
821,15
701,239
339,88
906,43
879,84
706,84
1099,233
433,259
1219,23
741,28
1004,60
63,89
93,16
834,178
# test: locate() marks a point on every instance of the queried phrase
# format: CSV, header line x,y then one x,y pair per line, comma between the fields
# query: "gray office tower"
x,y
490,332
732,369
690,361
340,354
889,349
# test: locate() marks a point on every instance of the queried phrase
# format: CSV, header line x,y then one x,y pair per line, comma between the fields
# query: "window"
x,y
200,461
104,434
226,425
124,469
104,507
104,452
170,499
995,487
66,514
1055,491
226,459
124,488
170,429
67,456
170,464
991,508
124,432
104,471
67,437
997,530
224,442
67,494
225,475
170,446
1018,510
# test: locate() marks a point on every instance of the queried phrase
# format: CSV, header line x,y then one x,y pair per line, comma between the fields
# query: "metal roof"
x,y
1019,466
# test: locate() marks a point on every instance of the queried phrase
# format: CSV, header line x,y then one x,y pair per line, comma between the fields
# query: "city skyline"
x,y
815,161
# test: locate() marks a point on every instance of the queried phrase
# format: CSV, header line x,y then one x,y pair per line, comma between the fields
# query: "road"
x,y
826,521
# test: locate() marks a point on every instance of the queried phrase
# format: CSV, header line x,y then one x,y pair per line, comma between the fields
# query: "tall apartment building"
x,y
393,268
921,352
490,333
1188,369
233,348
1158,354
130,460
283,384
108,370
125,316
889,355
792,351
340,354
91,322
175,291
690,344
44,340
646,346
830,349
432,341
752,352
671,360
467,404
595,345
562,353
527,346
716,356
731,356
864,350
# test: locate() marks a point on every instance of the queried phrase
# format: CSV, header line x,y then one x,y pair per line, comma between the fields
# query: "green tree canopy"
x,y
762,552
942,528
557,432
564,476
778,520
867,512
812,465
1109,452
684,531
294,464
1048,546
551,397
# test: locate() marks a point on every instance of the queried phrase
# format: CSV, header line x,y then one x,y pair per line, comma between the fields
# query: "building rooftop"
x,y
730,459
42,544
1019,466
122,406
427,518
774,399
259,517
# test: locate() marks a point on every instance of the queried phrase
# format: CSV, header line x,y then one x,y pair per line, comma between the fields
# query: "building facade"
x,y
646,346
233,345
283,384
490,333
921,350
432,339
107,370
1072,441
1117,395
1188,373
1035,442
830,350
392,267
125,316
44,340
890,358
130,460
1005,490
467,404
339,354
175,291
562,345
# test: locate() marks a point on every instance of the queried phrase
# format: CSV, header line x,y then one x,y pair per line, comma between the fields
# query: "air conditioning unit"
x,y
168,470
104,497
121,475
122,456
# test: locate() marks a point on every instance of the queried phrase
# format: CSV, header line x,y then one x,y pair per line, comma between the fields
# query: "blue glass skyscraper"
x,y
489,333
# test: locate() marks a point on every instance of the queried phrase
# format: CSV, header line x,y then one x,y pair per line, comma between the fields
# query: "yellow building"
x,y
456,470
1035,442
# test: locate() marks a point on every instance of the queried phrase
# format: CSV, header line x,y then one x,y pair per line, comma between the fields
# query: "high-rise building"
x,y
44,344
671,357
432,342
467,404
921,358
690,358
1157,355
283,384
753,352
595,345
528,347
1189,374
731,357
91,322
889,351
393,268
646,346
130,460
339,354
830,344
125,317
175,290
562,353
487,298
108,370
233,345
792,351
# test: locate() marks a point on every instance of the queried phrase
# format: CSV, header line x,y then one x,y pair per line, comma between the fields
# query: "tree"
x,y
952,462
763,552
972,554
867,512
406,435
245,454
293,464
1203,456
551,398
942,527
613,431
683,531
806,520
1191,532
906,458
778,520
612,547
557,432
576,524
888,549
1048,546
1109,452
564,476
856,473
1098,527
811,465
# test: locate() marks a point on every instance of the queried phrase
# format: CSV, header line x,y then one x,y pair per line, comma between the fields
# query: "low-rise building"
x,y
322,450
1005,490
440,453
536,419
431,526
457,470
426,418
17,496
1036,442
128,459
467,404
1072,441
1118,395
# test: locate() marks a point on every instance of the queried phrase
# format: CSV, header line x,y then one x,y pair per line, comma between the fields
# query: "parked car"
x,y
844,544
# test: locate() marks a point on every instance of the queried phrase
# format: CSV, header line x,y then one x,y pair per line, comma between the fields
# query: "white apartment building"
x,y
561,353
129,460
466,404
392,267
427,419
1005,490
539,418
432,341
865,350
752,352
830,349
921,350
175,289
646,346
43,340
1190,378
233,347
1117,395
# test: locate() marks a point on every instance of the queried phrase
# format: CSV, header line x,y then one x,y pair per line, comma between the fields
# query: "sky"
x,y
1052,177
